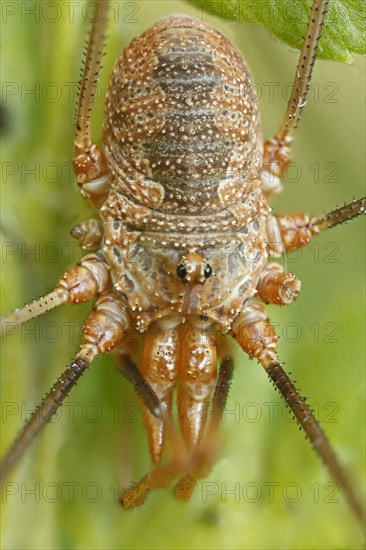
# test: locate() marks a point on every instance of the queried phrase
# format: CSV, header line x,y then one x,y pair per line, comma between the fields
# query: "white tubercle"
x,y
271,183
97,187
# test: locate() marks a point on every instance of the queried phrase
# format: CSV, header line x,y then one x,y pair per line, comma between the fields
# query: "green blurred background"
x,y
284,497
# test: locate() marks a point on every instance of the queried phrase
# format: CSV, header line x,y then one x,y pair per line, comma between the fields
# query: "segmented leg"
x,y
254,333
339,215
80,283
88,279
292,231
90,75
44,413
311,427
89,163
140,385
277,150
104,329
130,499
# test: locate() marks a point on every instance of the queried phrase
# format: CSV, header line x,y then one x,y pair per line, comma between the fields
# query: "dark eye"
x,y
181,271
207,271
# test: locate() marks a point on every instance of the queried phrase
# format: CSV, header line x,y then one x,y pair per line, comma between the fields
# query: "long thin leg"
x,y
44,412
52,300
86,280
292,231
140,385
339,215
311,427
90,75
151,401
221,391
80,283
257,337
103,330
277,150
303,72
89,163
201,460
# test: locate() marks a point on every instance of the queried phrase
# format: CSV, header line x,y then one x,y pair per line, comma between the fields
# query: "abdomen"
x,y
181,117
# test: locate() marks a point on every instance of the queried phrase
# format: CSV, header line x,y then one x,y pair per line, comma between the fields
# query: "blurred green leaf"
x,y
343,33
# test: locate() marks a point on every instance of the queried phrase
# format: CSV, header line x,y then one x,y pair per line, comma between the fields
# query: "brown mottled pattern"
x,y
182,140
180,117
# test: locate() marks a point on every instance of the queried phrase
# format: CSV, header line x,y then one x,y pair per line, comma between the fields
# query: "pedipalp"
x,y
191,463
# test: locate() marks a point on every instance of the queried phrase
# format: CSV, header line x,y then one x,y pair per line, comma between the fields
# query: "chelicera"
x,y
183,173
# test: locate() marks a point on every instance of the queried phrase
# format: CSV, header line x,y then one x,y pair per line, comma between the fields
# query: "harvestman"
x,y
181,174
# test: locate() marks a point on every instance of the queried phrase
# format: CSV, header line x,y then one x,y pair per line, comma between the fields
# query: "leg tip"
x,y
136,495
185,486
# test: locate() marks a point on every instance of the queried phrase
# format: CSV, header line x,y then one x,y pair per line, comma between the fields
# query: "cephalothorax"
x,y
181,252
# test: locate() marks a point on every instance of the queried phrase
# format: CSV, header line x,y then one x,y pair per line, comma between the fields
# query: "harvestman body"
x,y
181,254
